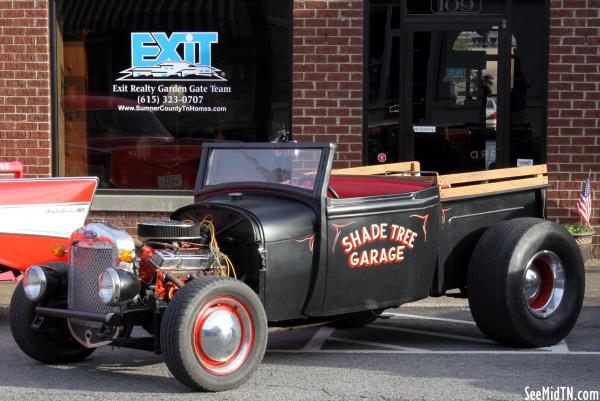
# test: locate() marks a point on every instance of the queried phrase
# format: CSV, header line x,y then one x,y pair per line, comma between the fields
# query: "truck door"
x,y
381,250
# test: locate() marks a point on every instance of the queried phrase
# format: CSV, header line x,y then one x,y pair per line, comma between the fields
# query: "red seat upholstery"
x,y
350,186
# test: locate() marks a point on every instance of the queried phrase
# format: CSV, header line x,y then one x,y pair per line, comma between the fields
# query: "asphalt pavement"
x,y
430,350
410,354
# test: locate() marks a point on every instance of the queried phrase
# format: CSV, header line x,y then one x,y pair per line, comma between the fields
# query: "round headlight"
x,y
109,286
116,286
34,283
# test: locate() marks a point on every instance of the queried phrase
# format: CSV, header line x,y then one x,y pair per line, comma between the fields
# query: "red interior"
x,y
350,186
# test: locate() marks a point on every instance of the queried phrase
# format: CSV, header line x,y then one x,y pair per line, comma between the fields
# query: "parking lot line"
x,y
374,344
560,347
319,338
438,319
434,334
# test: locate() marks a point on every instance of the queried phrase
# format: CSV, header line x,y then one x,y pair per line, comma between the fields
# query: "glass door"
x,y
453,96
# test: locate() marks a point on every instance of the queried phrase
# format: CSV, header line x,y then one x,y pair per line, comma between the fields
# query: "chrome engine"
x,y
178,247
182,260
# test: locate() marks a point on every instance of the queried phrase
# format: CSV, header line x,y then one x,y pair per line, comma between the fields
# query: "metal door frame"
x,y
412,24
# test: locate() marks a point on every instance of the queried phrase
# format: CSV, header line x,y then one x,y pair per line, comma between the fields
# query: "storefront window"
x,y
458,85
142,84
455,97
384,82
528,73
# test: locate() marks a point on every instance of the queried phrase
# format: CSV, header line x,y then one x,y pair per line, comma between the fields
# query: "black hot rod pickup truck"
x,y
276,238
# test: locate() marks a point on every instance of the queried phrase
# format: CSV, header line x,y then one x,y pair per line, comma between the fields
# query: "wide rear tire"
x,y
214,334
526,283
52,343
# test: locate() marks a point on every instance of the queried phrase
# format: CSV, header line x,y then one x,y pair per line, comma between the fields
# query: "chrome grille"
x,y
86,264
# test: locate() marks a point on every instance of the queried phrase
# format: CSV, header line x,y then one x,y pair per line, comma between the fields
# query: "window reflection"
x,y
455,94
384,83
142,127
527,128
460,98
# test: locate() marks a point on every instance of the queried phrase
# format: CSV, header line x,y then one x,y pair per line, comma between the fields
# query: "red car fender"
x,y
38,214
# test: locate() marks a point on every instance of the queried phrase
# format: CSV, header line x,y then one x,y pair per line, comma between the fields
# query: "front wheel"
x,y
52,342
214,334
526,282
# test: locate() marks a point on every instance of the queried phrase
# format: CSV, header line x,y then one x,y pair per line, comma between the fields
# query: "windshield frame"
x,y
317,192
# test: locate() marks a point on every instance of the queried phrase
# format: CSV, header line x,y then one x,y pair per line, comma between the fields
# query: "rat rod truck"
x,y
275,238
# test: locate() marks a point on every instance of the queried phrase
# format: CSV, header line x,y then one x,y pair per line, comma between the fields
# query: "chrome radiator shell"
x,y
86,263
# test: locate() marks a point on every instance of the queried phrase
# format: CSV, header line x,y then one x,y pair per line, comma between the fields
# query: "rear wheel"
x,y
526,282
214,334
51,342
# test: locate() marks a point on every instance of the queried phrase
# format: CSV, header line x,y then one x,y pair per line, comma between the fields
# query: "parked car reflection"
x,y
491,113
129,149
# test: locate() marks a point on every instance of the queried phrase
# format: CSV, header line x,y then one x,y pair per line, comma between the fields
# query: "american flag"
x,y
584,204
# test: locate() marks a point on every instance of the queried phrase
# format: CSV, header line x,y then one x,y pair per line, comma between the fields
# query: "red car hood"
x,y
37,214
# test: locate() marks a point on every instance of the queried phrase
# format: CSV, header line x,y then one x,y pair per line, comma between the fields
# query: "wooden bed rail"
x,y
378,169
463,184
488,181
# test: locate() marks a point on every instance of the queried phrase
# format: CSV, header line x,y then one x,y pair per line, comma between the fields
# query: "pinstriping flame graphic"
x,y
425,218
310,239
338,232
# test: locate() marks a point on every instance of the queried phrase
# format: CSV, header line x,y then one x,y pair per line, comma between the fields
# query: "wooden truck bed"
x,y
462,184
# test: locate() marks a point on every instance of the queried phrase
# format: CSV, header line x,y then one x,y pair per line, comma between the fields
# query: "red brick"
x,y
574,59
25,130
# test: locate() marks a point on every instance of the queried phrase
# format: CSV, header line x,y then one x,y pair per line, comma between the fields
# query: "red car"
x,y
37,217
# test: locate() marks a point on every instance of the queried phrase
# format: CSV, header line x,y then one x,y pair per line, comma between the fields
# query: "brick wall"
x,y
328,76
574,107
25,85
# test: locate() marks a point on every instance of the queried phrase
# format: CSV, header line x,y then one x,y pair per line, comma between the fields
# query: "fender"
x,y
38,214
283,232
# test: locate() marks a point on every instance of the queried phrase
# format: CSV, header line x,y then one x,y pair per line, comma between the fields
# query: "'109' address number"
x,y
456,6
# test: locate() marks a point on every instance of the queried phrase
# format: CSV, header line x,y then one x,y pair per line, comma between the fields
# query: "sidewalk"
x,y
6,290
592,292
592,283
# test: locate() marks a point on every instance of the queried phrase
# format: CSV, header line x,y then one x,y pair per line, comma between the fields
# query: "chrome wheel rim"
x,y
543,284
223,335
